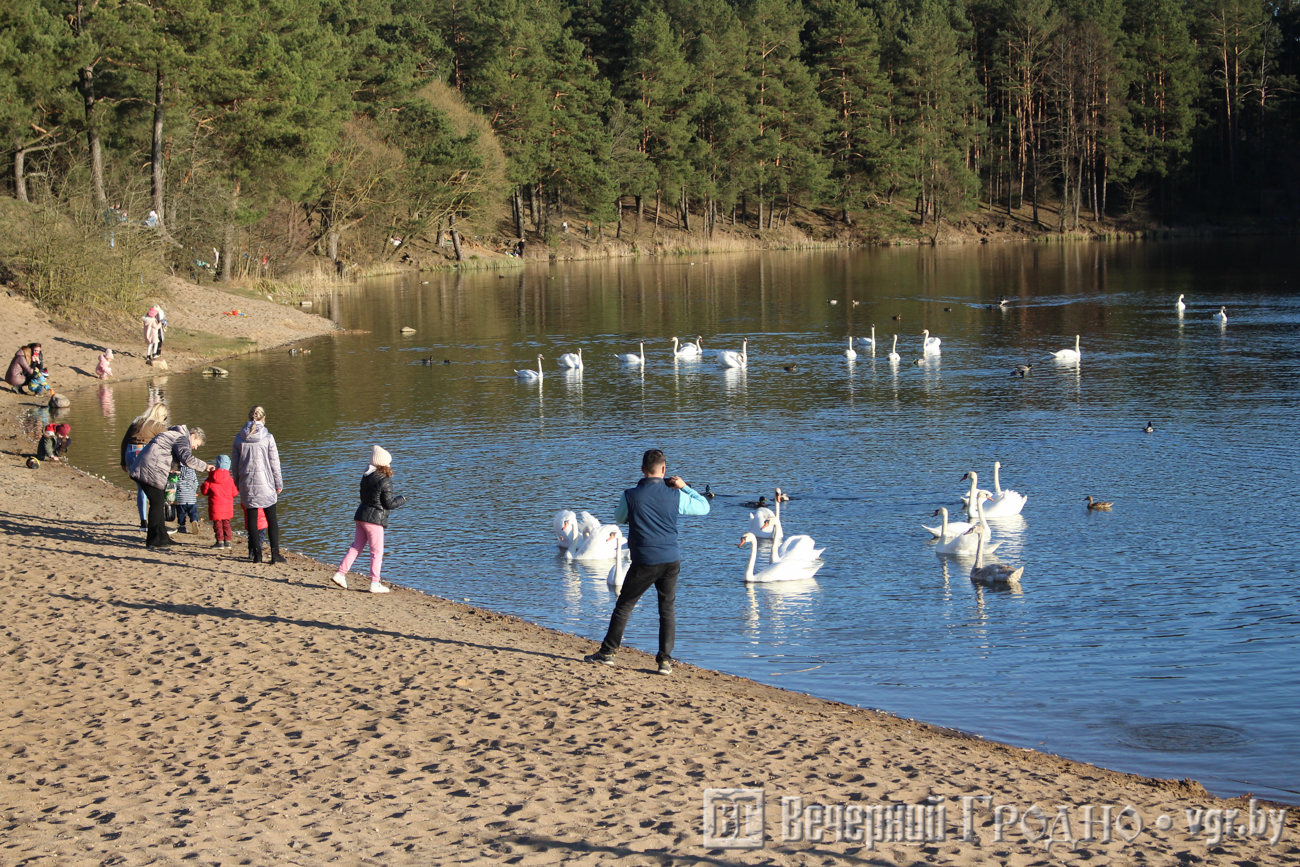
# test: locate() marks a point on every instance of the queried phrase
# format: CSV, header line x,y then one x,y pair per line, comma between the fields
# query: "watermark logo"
x,y
734,818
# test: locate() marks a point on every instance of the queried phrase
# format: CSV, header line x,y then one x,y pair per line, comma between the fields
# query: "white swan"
x,y
964,545
759,522
531,375
688,351
1180,306
869,341
600,544
618,571
785,570
1068,355
994,574
850,353
893,352
929,345
948,529
975,491
631,358
1003,504
572,360
732,358
1222,315
799,547
565,524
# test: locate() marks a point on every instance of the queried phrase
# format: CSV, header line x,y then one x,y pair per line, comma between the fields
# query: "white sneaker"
x,y
376,587
340,579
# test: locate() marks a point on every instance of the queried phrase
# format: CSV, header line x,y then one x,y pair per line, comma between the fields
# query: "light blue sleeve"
x,y
692,503
620,511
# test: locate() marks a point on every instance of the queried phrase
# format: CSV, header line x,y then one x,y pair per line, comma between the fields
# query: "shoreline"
x,y
191,701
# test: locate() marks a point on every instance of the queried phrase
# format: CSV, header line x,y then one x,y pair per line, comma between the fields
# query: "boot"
x,y
277,557
255,553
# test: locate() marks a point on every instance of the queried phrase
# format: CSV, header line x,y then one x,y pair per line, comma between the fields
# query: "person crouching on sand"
x,y
377,500
105,367
220,490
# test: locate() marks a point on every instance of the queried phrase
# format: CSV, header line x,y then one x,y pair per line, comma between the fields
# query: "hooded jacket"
x,y
168,450
21,368
220,490
377,499
255,466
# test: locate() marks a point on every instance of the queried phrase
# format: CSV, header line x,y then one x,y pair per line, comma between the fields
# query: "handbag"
x,y
170,491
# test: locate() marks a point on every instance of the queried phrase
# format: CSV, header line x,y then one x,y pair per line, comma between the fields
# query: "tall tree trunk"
x,y
228,237
332,242
519,210
686,209
87,87
658,202
535,209
20,177
156,186
760,207
640,211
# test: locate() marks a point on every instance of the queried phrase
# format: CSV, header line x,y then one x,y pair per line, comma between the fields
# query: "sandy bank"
x,y
189,707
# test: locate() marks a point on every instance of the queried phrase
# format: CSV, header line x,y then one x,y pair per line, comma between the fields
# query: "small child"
x,y
62,439
187,504
220,489
105,367
45,449
39,383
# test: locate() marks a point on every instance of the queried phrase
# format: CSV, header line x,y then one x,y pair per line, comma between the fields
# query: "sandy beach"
x,y
190,707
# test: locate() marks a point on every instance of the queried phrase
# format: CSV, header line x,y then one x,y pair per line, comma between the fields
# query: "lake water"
x,y
1161,638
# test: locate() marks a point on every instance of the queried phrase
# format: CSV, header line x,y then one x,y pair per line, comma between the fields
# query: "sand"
x,y
190,707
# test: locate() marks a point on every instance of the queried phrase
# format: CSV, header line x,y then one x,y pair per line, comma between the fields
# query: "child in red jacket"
x,y
220,490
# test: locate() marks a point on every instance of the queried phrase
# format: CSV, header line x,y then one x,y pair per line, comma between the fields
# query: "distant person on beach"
x,y
651,511
105,367
152,336
158,314
171,449
25,367
255,466
187,501
220,490
371,517
142,430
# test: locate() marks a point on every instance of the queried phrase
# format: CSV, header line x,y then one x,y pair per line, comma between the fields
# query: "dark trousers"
x,y
639,579
255,535
185,513
157,535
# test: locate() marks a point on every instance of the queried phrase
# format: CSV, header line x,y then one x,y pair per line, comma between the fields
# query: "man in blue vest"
x,y
651,510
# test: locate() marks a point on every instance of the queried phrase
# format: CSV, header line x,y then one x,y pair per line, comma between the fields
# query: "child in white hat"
x,y
377,500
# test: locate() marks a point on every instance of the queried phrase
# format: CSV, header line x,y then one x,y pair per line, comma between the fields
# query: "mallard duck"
x,y
1022,370
760,503
708,493
1098,505
791,368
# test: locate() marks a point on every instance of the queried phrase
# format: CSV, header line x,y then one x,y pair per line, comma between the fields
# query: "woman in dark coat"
x,y
377,499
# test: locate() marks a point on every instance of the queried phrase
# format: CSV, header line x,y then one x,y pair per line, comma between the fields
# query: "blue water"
x,y
1160,638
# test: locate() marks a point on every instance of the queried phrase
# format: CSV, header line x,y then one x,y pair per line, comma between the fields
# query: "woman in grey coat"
x,y
255,467
164,453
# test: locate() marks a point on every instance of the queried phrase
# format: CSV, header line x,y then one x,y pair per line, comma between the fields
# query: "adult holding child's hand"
x,y
255,466
170,449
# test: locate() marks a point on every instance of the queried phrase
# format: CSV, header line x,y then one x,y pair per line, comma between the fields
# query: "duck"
x,y
791,368
631,358
850,353
1098,505
893,352
897,318
760,503
781,498
688,351
964,544
294,351
782,570
731,358
833,301
856,303
531,375
1001,305
619,570
708,493
930,345
869,341
1022,370
1150,428
571,360
1003,504
428,361
1222,315
992,574
1068,355
1180,306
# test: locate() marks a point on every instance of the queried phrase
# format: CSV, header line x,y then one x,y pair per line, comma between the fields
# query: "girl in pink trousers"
x,y
377,500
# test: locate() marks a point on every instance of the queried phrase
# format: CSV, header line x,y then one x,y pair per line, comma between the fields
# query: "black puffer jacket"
x,y
377,499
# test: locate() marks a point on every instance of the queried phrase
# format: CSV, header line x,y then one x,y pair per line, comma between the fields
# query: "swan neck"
x,y
753,557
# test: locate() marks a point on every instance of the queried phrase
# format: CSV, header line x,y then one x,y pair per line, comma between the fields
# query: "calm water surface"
x,y
1160,638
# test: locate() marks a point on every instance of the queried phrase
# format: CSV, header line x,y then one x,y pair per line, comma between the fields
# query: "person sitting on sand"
x,y
371,517
25,366
45,449
105,367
